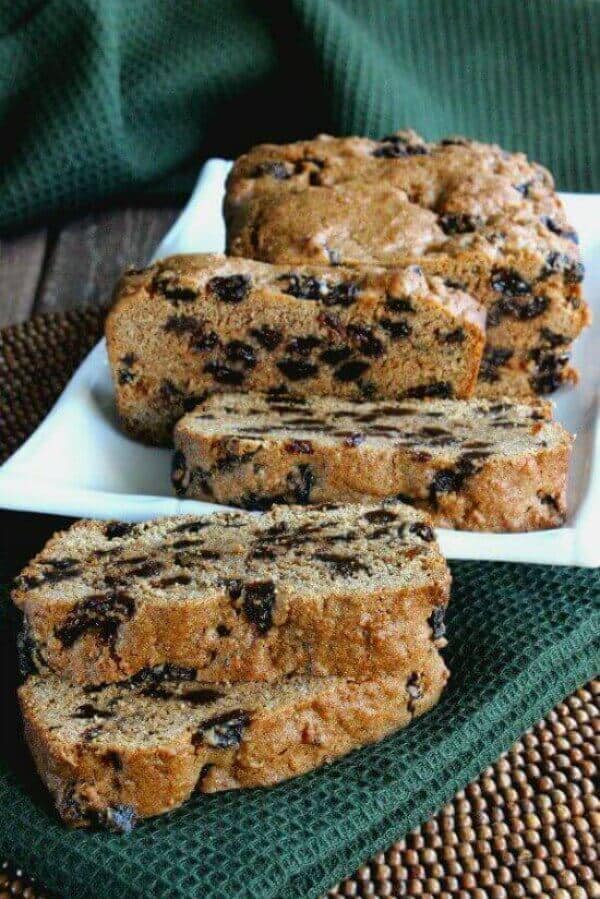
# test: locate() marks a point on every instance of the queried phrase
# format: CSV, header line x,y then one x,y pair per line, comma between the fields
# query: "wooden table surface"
x,y
56,268
63,266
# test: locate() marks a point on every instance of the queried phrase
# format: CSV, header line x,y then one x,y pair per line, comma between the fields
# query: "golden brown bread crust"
x,y
472,213
473,465
111,756
201,323
350,591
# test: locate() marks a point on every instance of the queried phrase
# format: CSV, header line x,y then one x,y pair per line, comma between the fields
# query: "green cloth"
x,y
521,637
100,97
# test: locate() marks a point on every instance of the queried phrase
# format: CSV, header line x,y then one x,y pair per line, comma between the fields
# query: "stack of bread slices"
x,y
369,360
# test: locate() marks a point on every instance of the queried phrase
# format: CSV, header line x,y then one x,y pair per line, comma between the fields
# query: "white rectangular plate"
x,y
79,463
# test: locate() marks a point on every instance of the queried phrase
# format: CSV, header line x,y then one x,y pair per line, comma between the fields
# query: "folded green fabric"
x,y
521,637
100,97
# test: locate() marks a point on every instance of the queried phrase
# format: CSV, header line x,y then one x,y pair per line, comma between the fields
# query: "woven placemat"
x,y
529,826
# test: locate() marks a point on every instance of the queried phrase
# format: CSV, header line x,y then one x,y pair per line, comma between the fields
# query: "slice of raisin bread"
x,y
481,218
142,747
477,465
338,590
193,324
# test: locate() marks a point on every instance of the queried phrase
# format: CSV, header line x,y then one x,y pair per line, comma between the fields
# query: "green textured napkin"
x,y
99,97
521,638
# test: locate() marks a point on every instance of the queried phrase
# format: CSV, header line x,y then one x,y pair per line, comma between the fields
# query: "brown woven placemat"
x,y
528,827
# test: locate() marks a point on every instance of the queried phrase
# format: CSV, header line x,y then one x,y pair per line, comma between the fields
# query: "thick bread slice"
x,y
477,465
138,749
190,325
479,217
347,591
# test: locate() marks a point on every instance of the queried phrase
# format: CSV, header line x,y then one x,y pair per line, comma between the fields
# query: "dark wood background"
x,y
57,268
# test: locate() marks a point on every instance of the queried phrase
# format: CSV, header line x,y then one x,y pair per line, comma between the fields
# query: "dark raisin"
x,y
224,374
344,566
301,483
257,600
222,630
183,324
204,341
230,461
524,188
552,339
303,346
555,228
118,529
28,656
150,679
175,580
493,359
305,287
397,146
405,498
335,354
572,270
437,622
380,516
113,759
454,142
88,710
548,500
440,389
550,370
398,304
297,369
180,474
396,329
277,170
231,288
422,530
191,527
351,371
456,336
269,338
450,480
238,351
521,310
102,613
223,731
258,502
431,431
125,376
200,696
299,446
364,340
172,290
458,223
509,282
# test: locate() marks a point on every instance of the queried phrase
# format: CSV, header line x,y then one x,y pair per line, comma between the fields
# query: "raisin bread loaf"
x,y
481,218
193,324
351,591
478,465
143,747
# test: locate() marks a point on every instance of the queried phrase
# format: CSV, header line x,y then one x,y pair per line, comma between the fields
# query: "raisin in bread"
x,y
143,747
478,465
481,218
350,591
193,324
